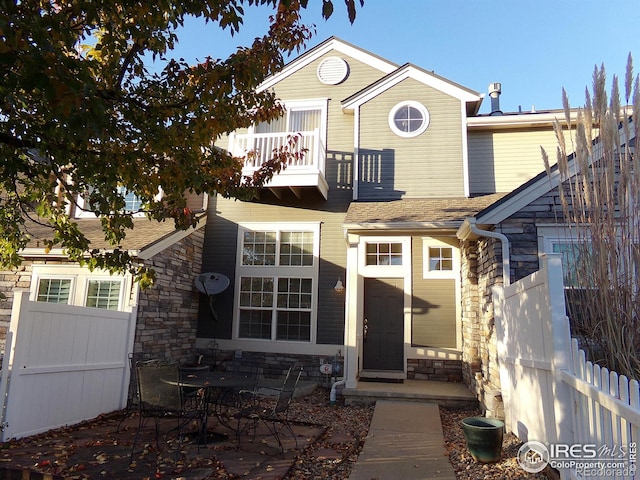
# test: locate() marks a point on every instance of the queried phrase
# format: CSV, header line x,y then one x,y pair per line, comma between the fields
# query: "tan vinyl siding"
x,y
502,161
433,306
434,310
305,84
429,165
225,215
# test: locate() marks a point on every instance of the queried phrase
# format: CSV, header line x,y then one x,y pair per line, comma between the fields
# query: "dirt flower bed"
x,y
336,452
465,467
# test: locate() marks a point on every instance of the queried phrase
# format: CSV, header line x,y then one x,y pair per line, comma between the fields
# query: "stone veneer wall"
x,y
470,324
482,260
521,229
482,269
434,369
168,311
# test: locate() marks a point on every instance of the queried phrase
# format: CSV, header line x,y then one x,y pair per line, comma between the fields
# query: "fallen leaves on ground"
x,y
465,467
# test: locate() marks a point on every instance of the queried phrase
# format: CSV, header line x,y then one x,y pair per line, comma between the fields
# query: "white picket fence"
x,y
551,393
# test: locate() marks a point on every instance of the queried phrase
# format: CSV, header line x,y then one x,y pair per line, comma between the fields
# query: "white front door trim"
x,y
357,271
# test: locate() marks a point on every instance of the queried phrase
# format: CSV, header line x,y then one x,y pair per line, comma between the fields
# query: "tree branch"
x,y
15,141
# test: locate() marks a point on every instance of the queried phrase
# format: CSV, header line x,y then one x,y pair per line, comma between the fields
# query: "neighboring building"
x,y
384,204
166,314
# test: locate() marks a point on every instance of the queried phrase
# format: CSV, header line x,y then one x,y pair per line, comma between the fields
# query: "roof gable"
x,y
329,45
423,76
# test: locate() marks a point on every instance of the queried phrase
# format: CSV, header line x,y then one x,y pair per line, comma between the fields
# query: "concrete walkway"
x,y
405,442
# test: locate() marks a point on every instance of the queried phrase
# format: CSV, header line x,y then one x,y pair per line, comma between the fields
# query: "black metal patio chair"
x,y
160,397
228,402
274,415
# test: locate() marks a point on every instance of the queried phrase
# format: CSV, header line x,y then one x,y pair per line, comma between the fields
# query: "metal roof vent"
x,y
495,89
333,70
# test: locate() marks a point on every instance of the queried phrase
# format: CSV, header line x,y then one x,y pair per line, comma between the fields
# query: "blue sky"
x,y
534,48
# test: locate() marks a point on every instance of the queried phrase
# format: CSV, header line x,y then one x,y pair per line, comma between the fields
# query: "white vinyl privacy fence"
x,y
63,364
586,417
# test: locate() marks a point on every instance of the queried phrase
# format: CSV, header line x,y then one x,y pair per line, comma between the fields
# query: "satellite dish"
x,y
211,284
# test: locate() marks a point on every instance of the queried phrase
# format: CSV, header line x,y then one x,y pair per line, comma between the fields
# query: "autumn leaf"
x,y
93,109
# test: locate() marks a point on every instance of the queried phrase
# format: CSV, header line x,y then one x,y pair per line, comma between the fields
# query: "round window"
x,y
409,119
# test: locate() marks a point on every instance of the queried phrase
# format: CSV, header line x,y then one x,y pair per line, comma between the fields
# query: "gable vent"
x,y
333,70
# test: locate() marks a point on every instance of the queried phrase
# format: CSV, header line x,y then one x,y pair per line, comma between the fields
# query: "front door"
x,y
383,324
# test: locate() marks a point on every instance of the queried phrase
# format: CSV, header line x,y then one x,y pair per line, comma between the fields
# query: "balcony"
x,y
300,175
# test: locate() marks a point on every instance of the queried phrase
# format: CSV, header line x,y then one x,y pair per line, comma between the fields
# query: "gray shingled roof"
x,y
442,212
145,233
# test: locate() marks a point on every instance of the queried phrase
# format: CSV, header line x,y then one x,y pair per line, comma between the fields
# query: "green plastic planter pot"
x,y
484,438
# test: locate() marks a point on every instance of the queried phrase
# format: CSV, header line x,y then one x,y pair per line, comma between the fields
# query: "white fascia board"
x,y
534,191
41,252
410,71
148,252
527,119
519,120
58,253
465,152
314,54
432,226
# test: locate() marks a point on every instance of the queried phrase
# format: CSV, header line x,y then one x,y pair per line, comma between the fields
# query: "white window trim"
x,y
80,278
321,104
418,106
455,251
35,284
80,213
387,271
275,271
548,235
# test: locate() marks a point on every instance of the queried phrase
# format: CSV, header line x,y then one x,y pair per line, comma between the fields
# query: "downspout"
x,y
334,394
471,224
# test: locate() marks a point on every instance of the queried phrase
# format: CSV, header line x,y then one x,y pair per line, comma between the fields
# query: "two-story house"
x,y
375,251
368,248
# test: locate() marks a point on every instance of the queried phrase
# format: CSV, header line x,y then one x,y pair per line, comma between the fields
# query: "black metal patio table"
x,y
214,393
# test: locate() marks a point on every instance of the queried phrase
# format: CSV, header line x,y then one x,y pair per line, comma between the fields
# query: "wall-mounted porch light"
x,y
339,287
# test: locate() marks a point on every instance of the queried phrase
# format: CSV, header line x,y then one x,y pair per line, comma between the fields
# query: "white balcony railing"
x,y
304,171
262,145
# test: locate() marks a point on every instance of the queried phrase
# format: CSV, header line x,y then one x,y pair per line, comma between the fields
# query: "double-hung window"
x,y
277,271
78,286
